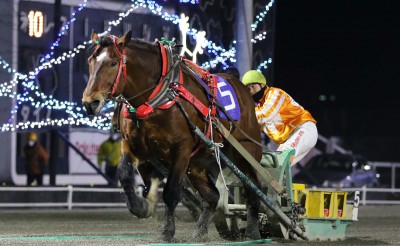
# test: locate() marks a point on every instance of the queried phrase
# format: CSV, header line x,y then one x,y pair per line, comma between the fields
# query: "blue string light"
x,y
63,31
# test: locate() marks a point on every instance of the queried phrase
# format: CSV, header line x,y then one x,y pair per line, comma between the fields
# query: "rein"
x,y
121,99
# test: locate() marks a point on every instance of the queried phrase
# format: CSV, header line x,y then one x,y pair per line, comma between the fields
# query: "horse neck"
x,y
141,75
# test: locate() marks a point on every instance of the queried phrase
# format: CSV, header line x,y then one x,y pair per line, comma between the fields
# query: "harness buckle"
x,y
120,99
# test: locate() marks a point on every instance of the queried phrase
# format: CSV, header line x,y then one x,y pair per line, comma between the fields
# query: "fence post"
x,y
393,176
364,196
69,197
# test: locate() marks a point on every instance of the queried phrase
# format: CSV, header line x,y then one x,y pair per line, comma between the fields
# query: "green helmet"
x,y
252,77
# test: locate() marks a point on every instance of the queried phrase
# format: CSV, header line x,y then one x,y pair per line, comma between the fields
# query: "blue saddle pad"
x,y
227,97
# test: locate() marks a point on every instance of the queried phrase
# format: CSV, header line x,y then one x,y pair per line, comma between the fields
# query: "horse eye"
x,y
113,64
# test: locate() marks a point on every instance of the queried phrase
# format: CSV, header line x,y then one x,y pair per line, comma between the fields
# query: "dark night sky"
x,y
350,50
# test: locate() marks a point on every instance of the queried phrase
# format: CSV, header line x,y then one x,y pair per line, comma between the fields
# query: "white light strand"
x,y
264,64
261,15
263,35
259,37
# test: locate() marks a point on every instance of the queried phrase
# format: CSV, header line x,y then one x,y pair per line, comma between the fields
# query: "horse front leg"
x,y
137,205
172,195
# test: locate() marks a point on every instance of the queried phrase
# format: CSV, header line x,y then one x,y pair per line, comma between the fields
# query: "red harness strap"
x,y
164,64
182,91
122,66
212,83
144,110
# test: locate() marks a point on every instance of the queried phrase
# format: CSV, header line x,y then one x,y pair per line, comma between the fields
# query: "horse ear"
x,y
124,40
95,38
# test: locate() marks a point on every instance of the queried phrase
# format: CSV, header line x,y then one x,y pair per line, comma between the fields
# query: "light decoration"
x,y
201,41
261,15
115,23
6,66
263,35
189,1
66,55
99,122
259,37
6,87
264,64
71,108
49,102
63,30
221,54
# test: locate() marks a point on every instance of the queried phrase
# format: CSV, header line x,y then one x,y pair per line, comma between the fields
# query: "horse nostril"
x,y
94,104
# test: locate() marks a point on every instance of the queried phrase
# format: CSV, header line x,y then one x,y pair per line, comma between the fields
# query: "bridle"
x,y
121,70
121,67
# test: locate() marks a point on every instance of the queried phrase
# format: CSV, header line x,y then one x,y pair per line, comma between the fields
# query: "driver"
x,y
284,121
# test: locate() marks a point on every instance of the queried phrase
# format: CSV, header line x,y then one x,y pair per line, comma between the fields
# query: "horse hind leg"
x,y
253,206
137,205
205,186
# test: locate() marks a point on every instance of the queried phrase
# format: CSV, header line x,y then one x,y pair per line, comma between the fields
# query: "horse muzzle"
x,y
92,107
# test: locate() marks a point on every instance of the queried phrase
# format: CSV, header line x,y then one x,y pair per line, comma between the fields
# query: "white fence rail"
x,y
366,194
390,165
69,202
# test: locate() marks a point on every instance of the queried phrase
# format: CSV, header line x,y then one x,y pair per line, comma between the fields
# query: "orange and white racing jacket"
x,y
279,115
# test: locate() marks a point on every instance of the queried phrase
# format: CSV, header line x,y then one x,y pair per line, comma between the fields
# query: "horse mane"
x,y
195,68
103,42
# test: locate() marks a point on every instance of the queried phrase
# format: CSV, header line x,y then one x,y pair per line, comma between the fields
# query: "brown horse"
x,y
133,71
152,175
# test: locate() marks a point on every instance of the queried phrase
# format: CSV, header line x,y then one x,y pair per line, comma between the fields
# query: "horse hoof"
x,y
253,235
167,236
141,210
200,233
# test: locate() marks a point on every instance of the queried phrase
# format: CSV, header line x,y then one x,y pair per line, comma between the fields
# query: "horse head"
x,y
106,64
